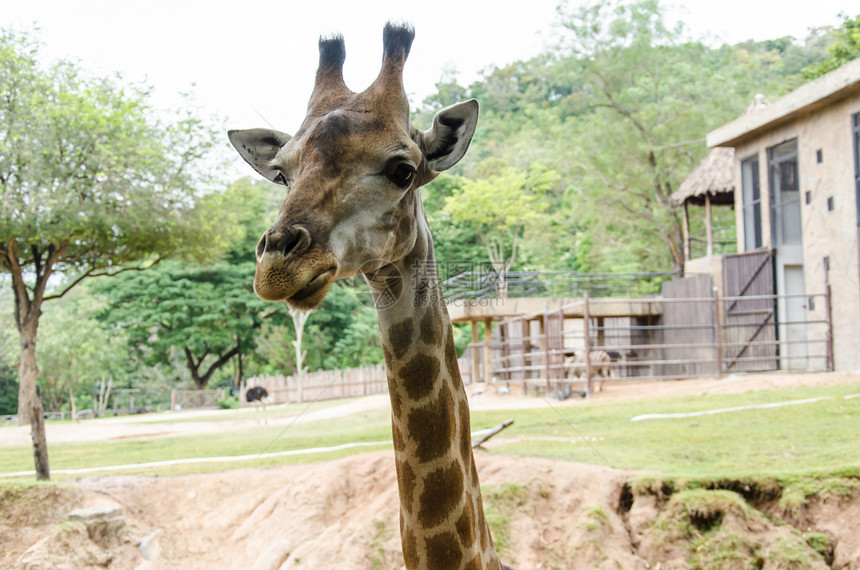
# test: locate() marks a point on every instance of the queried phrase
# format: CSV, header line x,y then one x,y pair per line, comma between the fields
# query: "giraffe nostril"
x,y
288,243
293,240
261,246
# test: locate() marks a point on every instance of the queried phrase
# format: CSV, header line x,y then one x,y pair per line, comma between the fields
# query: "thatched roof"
x,y
714,177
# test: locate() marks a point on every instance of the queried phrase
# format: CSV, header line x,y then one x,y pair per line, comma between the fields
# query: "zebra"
x,y
574,365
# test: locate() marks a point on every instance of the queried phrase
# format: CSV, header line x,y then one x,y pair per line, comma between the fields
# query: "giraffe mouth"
x,y
309,296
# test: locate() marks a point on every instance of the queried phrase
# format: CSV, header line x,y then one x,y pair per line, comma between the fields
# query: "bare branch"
x,y
94,272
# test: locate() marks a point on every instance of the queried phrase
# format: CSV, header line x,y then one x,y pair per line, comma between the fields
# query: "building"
x,y
797,196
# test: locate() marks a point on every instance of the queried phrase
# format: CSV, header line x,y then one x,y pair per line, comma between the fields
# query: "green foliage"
x,y
845,48
8,389
92,182
500,204
228,403
619,109
206,313
77,352
88,171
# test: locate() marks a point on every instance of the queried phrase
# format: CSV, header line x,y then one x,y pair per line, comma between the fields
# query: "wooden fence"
x,y
191,399
322,385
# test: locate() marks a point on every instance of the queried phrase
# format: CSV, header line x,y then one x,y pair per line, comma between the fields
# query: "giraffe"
x,y
354,169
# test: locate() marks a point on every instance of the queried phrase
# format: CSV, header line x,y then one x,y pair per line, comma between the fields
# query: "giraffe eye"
x,y
279,179
403,174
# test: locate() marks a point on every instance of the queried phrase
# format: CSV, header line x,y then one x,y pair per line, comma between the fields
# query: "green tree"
x,y
845,48
500,205
78,352
206,314
647,106
91,181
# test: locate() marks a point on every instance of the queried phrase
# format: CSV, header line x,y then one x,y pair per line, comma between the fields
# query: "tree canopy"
x,y
92,181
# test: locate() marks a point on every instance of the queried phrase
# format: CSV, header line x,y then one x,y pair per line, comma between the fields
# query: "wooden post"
x,y
601,334
829,334
718,344
173,400
525,330
544,354
488,350
587,332
686,230
476,356
709,227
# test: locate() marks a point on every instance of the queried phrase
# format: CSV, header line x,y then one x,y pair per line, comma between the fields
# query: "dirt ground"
x,y
343,513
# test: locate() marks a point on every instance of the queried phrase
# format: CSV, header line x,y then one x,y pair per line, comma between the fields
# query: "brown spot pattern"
x,y
397,437
410,547
442,491
432,426
418,376
431,332
451,362
443,551
406,482
394,394
466,524
482,524
474,564
400,337
465,436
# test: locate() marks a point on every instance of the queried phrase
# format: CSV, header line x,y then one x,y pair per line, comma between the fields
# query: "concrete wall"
x,y
827,233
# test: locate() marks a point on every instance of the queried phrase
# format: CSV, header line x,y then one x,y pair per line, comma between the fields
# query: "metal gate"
x,y
749,326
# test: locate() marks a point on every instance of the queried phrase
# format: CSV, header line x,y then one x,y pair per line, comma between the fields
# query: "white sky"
x,y
254,60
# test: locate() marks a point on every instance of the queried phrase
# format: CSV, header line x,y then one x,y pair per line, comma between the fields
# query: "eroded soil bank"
x,y
343,514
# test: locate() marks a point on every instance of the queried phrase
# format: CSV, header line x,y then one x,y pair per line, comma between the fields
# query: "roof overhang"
x,y
825,90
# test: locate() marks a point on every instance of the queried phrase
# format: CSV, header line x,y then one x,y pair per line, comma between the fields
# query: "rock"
x,y
104,523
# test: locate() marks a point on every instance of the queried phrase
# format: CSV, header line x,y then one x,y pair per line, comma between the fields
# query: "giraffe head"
x,y
353,170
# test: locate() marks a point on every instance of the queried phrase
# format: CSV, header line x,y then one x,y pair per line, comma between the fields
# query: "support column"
x,y
488,350
686,229
709,227
476,357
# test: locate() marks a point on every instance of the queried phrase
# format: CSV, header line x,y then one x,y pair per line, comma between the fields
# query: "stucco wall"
x,y
826,234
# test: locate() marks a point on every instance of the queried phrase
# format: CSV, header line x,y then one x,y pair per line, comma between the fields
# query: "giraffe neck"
x,y
441,513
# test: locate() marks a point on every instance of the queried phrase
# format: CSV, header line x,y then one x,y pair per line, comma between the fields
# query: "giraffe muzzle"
x,y
290,268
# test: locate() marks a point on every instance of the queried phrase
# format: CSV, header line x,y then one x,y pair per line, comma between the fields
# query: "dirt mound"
x,y
36,531
344,514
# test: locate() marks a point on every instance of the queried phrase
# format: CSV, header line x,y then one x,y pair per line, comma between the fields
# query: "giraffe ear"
x,y
259,147
448,139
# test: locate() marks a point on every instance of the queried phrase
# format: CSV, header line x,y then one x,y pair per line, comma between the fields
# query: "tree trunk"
x,y
299,320
40,443
27,370
72,408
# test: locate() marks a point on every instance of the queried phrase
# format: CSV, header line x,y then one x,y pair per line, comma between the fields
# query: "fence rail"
x,y
487,284
692,337
191,399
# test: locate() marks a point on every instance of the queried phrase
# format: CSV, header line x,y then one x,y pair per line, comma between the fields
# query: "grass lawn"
x,y
823,436
820,437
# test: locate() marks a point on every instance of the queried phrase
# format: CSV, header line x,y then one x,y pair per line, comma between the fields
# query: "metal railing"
x,y
489,284
690,338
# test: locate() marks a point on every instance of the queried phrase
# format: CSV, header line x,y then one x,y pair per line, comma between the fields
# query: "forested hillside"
x,y
576,154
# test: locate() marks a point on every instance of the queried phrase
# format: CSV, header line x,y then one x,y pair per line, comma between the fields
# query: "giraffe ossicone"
x,y
354,169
